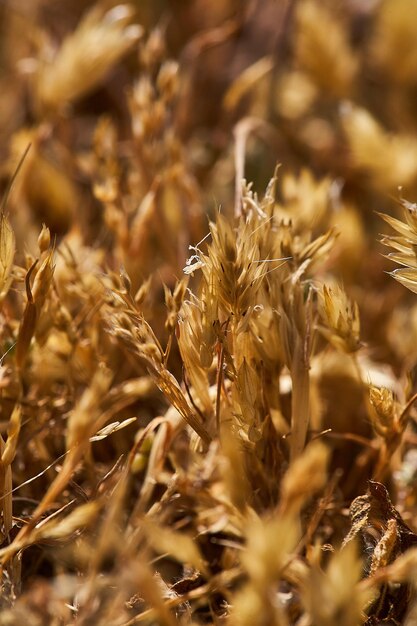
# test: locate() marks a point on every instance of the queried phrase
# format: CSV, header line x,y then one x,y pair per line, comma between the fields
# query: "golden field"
x,y
208,323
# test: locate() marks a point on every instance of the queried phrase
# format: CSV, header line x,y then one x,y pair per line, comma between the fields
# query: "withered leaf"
x,y
383,536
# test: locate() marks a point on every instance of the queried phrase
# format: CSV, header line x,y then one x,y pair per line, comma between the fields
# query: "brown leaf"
x,y
383,536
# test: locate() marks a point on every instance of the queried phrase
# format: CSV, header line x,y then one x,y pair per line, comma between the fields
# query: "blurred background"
x,y
327,89
142,119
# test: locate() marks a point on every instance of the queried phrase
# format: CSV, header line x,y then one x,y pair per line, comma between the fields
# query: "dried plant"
x,y
207,380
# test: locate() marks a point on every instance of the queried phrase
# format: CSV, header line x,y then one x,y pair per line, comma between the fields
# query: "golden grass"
x,y
208,384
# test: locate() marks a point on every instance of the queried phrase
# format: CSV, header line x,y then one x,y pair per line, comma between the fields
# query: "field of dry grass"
x,y
208,319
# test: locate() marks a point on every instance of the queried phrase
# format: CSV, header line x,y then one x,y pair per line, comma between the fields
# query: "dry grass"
x,y
208,385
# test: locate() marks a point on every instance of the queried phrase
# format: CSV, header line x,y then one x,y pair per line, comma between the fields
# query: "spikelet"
x,y
272,541
394,45
36,298
389,159
306,199
167,80
233,267
246,82
178,545
7,236
72,524
294,328
258,601
294,489
322,48
196,351
85,57
7,252
334,595
138,337
404,245
386,410
295,94
341,319
173,302
81,424
43,183
254,268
